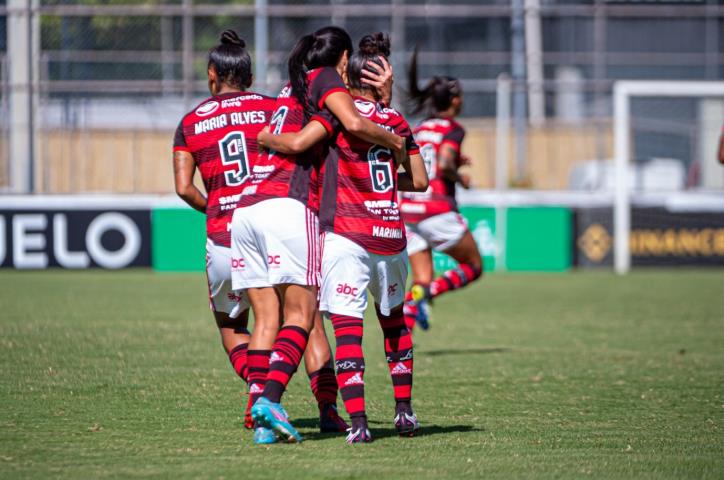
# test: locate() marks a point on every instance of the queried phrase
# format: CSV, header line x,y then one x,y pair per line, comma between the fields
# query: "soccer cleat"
x,y
359,435
358,432
406,422
330,421
264,436
419,304
423,315
272,415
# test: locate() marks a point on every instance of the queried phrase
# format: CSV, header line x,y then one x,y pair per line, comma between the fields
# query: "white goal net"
x,y
666,138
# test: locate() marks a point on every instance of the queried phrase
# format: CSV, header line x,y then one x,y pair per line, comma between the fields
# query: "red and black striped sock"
x,y
350,363
238,357
258,367
324,385
286,354
454,278
398,348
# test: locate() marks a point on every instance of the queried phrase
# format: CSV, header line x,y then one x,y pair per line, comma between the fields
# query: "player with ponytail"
x,y
275,237
432,218
211,139
363,238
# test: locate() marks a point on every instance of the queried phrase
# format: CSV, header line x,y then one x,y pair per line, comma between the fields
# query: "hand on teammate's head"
x,y
380,77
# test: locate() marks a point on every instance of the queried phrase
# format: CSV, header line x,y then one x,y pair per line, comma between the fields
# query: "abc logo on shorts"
x,y
345,289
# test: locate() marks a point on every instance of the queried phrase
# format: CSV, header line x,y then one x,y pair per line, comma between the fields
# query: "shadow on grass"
x,y
465,351
427,430
378,433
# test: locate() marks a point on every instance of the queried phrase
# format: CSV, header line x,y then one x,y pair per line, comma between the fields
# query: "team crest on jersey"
x,y
207,108
366,109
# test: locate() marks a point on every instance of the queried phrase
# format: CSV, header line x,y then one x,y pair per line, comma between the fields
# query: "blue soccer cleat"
x,y
421,308
272,416
423,315
264,436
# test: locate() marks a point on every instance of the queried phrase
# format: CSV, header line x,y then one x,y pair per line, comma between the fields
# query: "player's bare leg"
x,y
235,339
468,270
320,369
266,305
466,252
299,308
234,331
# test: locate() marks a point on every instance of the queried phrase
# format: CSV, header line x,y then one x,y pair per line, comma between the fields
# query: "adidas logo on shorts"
x,y
355,379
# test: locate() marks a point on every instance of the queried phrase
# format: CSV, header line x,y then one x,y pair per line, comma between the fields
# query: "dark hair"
x,y
371,47
322,48
231,61
436,96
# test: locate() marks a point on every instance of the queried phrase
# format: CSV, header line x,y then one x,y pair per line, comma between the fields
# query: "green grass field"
x,y
120,374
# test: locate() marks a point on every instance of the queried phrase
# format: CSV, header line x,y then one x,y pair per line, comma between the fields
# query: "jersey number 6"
x,y
233,153
380,170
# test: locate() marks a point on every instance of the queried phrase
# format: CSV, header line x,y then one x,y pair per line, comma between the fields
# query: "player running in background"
x,y
364,241
432,218
275,237
219,139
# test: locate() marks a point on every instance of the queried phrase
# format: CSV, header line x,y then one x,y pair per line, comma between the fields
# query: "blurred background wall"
x,y
109,80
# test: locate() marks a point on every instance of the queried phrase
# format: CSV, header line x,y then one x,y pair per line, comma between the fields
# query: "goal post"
x,y
623,92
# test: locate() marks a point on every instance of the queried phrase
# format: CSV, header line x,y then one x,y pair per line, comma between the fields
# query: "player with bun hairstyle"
x,y
211,139
275,238
432,218
364,241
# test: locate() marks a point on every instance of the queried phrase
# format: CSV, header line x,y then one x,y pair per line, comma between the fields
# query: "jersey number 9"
x,y
233,153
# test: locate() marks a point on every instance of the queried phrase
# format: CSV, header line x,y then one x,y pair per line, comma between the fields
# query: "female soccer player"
x,y
275,237
364,243
218,138
432,218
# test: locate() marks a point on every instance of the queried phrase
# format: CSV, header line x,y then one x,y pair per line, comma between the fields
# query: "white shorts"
x,y
348,270
274,242
222,298
439,232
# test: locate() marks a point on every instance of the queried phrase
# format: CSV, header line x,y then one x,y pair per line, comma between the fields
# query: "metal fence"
x,y
109,80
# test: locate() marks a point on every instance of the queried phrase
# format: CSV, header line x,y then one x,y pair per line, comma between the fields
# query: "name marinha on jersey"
x,y
386,232
226,119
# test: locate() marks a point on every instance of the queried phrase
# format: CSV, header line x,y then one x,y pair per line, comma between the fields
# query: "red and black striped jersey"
x,y
221,135
439,197
359,185
280,175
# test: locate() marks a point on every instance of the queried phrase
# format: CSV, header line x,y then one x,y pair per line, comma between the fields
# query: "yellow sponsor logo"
x,y
596,242
678,242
